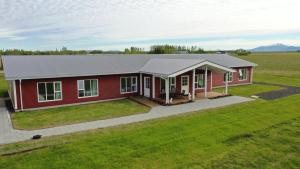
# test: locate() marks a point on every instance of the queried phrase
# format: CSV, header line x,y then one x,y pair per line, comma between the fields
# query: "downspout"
x,y
21,95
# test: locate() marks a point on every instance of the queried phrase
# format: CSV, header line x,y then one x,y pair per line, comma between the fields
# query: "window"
x,y
87,88
242,74
199,81
230,75
172,88
49,91
129,84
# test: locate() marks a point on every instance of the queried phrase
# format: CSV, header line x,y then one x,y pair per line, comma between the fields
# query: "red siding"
x,y
218,78
108,86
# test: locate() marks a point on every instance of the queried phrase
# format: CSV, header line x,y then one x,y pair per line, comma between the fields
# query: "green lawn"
x,y
248,90
75,114
282,68
195,140
3,85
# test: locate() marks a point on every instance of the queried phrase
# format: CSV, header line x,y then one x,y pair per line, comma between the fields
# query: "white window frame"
x,y
230,76
170,84
53,82
196,81
84,88
246,74
129,77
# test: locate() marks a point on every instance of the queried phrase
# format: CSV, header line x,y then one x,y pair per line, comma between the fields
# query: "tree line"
x,y
154,49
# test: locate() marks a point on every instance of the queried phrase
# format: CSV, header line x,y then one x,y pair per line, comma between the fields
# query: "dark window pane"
x,y
123,84
162,85
57,95
81,93
42,91
94,87
57,86
87,86
128,85
50,91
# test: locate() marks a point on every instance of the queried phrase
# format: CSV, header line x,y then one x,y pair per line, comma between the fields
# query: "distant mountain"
x,y
276,48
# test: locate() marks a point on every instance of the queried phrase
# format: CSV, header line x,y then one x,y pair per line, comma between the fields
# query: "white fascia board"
x,y
199,65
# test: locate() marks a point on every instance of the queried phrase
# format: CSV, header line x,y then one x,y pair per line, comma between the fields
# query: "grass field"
x,y
3,85
248,90
75,114
282,68
258,134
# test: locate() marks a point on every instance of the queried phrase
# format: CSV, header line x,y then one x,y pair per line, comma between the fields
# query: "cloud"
x,y
81,23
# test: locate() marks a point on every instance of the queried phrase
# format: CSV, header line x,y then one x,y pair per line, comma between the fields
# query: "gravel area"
x,y
277,94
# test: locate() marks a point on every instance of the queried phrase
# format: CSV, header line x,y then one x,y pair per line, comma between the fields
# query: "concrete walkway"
x,y
10,135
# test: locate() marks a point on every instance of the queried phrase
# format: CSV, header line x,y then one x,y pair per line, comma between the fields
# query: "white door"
x,y
147,86
185,88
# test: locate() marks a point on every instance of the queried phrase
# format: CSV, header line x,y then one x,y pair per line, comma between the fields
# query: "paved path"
x,y
10,135
276,94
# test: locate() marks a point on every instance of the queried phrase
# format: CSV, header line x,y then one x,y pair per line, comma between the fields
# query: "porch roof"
x,y
173,67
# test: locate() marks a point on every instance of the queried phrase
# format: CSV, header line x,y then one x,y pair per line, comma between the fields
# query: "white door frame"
x,y
188,84
147,90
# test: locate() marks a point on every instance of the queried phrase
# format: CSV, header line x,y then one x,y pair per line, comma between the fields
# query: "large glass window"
x,y
242,74
129,84
172,81
199,81
49,91
230,75
87,88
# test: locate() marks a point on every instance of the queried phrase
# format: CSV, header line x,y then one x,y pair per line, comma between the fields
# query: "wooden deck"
x,y
184,99
144,101
210,95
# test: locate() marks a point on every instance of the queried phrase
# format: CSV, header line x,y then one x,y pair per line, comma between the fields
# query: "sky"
x,y
117,24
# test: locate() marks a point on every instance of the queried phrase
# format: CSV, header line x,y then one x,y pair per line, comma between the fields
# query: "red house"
x,y
44,81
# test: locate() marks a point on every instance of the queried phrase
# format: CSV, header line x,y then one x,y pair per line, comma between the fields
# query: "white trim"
x,y
84,88
193,86
228,77
71,104
199,65
205,86
163,79
145,86
226,83
167,88
21,95
197,82
37,88
136,90
188,82
246,74
211,80
153,86
15,95
141,84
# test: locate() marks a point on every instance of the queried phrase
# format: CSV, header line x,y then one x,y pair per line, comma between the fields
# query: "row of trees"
x,y
165,49
155,49
63,51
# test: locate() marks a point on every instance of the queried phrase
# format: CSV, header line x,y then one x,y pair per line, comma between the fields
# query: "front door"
x,y
147,86
185,84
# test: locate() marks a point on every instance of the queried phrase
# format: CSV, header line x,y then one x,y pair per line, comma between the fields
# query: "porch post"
x,y
226,83
21,93
167,90
205,88
153,86
193,85
141,84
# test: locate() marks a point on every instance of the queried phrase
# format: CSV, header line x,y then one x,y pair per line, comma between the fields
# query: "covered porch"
x,y
176,81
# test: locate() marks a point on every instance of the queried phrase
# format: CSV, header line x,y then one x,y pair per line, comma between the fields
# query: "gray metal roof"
x,y
162,66
50,66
